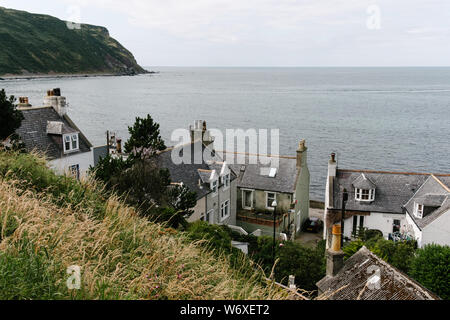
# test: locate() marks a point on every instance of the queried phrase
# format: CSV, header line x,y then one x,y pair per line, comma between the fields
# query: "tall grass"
x,y
50,222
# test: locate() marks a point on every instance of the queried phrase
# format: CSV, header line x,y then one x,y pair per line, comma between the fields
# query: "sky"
x,y
268,33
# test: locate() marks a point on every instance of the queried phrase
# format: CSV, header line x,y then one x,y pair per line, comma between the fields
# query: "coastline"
x,y
66,75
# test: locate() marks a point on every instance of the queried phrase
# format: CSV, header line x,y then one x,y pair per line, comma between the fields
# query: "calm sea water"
x,y
373,118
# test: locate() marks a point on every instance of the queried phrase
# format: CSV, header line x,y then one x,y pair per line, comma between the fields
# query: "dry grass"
x,y
121,255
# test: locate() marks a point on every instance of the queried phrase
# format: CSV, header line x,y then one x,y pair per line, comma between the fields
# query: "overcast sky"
x,y
267,32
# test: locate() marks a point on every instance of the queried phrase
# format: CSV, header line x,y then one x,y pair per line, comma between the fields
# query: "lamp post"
x,y
274,205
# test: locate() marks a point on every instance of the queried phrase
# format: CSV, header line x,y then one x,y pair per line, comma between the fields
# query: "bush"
x,y
430,267
306,264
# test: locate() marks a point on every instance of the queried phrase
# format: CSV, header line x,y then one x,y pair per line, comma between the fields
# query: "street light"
x,y
274,205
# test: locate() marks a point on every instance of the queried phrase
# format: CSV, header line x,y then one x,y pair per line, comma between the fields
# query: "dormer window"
x,y
71,142
364,194
418,210
364,188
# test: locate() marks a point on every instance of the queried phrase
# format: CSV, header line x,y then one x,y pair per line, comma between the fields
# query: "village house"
x,y
48,129
401,205
364,276
259,185
211,178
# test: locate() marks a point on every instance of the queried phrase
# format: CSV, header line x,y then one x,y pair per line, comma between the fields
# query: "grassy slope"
x,y
49,222
34,43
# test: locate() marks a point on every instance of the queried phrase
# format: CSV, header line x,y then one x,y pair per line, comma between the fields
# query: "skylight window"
x,y
273,172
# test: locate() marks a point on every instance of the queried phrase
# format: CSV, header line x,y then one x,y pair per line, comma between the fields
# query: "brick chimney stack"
x,y
335,255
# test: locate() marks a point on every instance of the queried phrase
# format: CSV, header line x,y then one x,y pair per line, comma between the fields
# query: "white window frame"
x,y
243,198
223,205
214,187
418,212
267,199
69,138
226,179
359,194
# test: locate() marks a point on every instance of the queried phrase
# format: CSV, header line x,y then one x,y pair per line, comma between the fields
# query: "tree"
x,y
306,264
431,268
10,117
109,168
145,139
182,199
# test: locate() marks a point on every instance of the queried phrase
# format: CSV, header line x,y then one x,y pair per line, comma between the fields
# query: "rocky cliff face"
x,y
41,44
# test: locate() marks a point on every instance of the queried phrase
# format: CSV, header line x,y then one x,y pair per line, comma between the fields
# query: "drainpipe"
x,y
344,201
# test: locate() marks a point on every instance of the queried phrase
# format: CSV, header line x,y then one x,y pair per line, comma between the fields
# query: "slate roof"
x,y
33,132
363,182
353,281
253,171
191,173
392,191
433,194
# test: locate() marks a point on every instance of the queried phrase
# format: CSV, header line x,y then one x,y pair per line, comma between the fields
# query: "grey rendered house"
x,y
259,184
212,179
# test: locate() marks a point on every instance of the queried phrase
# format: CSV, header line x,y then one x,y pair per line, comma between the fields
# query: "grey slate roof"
x,y
393,190
255,175
352,281
191,173
363,182
33,132
432,195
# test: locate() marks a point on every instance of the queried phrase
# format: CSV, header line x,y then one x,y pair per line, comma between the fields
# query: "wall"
x,y
84,160
414,230
377,221
302,194
437,231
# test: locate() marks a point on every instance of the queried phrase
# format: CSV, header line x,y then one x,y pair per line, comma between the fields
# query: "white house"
x,y
50,130
385,201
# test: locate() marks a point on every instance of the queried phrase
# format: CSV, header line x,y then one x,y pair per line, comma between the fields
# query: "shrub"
x,y
431,267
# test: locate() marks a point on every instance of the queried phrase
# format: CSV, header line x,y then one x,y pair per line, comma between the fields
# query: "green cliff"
x,y
40,44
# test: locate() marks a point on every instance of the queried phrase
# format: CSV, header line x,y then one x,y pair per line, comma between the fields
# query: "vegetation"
x,y
10,118
41,44
142,182
431,268
51,222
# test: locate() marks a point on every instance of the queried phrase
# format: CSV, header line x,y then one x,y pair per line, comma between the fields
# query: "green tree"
x,y
109,168
306,264
431,268
145,139
10,117
182,199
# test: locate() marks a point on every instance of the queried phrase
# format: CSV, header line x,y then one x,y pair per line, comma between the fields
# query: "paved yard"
x,y
308,238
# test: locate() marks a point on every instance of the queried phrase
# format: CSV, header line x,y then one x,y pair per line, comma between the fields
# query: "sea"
x,y
393,119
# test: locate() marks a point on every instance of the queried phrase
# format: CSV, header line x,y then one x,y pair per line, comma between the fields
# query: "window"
x,y
247,199
214,187
224,210
226,181
74,171
364,194
270,197
71,142
418,210
396,226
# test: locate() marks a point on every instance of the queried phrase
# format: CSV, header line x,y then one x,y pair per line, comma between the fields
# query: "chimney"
x,y
23,102
334,255
332,165
55,100
301,154
200,131
119,146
